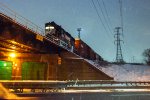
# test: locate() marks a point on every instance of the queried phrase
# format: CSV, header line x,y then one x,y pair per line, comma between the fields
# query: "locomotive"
x,y
79,47
52,28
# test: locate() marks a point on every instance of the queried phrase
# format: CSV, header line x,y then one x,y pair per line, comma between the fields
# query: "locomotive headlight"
x,y
49,28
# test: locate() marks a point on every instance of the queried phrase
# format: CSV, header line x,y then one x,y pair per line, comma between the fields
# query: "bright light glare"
x,y
12,55
5,64
50,27
15,64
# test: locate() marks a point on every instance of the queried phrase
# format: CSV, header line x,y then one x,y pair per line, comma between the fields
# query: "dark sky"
x,y
72,14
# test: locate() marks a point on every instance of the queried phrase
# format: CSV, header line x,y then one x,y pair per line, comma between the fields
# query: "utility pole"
x,y
133,59
119,57
79,30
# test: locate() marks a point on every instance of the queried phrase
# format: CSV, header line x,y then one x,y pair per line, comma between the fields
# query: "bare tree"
x,y
146,55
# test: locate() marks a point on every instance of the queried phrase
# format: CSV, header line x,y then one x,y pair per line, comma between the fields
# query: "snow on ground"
x,y
127,72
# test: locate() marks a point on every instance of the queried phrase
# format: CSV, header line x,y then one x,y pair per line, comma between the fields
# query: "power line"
x,y
104,16
99,17
121,15
106,13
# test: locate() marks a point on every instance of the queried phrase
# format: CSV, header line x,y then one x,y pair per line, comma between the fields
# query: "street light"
x,y
12,55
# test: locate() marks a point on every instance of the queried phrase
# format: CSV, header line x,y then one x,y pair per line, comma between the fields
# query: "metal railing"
x,y
22,21
57,41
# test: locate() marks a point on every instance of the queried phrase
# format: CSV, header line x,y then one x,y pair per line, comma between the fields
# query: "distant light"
x,y
12,55
77,38
13,47
17,69
56,39
5,64
59,60
15,64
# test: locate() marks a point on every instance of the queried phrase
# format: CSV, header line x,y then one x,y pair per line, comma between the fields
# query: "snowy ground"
x,y
127,72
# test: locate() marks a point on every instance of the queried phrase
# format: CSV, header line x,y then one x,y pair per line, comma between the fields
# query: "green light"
x,y
5,70
5,64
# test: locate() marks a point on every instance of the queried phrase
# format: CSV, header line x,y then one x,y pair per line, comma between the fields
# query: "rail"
x,y
27,24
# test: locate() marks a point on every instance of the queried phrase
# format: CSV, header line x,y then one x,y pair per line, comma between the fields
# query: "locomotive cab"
x,y
49,29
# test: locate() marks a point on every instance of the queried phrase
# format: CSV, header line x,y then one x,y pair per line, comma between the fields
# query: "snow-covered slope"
x,y
128,72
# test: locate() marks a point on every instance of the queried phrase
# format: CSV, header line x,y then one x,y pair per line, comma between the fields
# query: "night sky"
x,y
72,14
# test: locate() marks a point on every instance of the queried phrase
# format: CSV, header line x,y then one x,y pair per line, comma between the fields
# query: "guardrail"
x,y
75,84
102,84
20,85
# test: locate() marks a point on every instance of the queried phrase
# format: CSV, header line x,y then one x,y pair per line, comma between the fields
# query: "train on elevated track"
x,y
76,45
50,54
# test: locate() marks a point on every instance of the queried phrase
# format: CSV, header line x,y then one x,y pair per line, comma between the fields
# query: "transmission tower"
x,y
119,57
